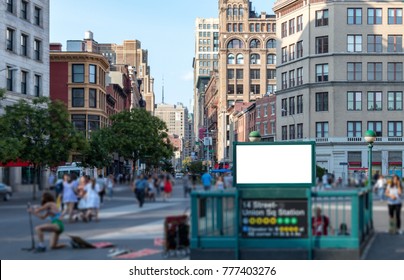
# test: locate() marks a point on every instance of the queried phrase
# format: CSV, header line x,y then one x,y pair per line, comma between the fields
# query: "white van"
x,y
69,169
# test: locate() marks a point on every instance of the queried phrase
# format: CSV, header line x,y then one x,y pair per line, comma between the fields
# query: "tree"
x,y
42,133
186,163
139,135
196,167
99,149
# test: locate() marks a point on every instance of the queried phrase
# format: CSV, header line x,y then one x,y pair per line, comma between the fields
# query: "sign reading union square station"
x,y
274,218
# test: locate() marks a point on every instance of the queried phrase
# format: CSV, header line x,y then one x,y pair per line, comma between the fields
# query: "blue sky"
x,y
165,28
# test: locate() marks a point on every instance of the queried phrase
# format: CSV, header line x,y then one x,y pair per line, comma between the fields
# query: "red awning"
x,y
17,163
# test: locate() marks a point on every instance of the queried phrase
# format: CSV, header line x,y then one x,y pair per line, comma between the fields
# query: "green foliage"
x,y
319,171
167,166
196,167
98,153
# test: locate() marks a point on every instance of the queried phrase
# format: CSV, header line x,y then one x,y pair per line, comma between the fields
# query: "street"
x,y
122,222
139,230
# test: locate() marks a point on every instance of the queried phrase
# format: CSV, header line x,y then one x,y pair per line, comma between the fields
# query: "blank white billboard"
x,y
274,164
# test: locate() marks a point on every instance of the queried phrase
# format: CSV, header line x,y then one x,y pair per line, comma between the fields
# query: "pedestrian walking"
x,y
168,186
110,186
102,186
92,200
380,187
139,189
320,223
48,209
219,183
206,181
193,180
393,194
185,184
228,180
69,196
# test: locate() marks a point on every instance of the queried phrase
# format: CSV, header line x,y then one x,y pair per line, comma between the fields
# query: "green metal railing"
x,y
215,221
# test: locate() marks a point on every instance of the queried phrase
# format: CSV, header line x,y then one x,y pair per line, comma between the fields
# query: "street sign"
x,y
343,163
277,218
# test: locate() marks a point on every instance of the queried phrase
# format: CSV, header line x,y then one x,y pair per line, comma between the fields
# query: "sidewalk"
x,y
385,246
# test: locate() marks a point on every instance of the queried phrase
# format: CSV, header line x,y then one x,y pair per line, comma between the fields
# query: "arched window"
x,y
240,59
271,44
235,44
230,59
241,12
229,11
271,59
235,12
255,44
255,59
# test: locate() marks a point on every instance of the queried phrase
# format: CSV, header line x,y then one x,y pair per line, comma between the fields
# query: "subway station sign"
x,y
274,218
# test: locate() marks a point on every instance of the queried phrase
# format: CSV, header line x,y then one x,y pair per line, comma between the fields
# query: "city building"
x,y
205,61
340,74
265,117
131,53
177,120
247,60
24,63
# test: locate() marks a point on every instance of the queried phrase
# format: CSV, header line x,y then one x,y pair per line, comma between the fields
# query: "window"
x,y
284,30
321,44
354,71
321,129
255,74
230,73
92,74
230,89
77,97
291,105
24,45
299,23
255,89
265,110
374,101
10,79
24,81
255,59
354,43
292,26
240,27
284,80
240,59
284,108
78,73
291,78
375,43
266,128
322,18
299,49
376,127
395,16
395,43
37,85
37,16
229,27
322,72
395,100
271,74
354,16
10,6
299,76
255,44
240,89
258,112
271,44
354,129
234,29
292,52
300,104
374,16
395,129
92,98
239,74
299,131
274,27
292,132
271,59
284,54
10,39
284,132
321,101
235,44
24,10
79,122
37,49
251,27
375,71
354,99
395,71
271,89
230,59
257,27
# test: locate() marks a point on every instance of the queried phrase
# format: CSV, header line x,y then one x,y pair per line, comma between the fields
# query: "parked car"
x,y
5,191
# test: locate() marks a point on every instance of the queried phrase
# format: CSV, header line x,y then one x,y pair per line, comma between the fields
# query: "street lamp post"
x,y
370,137
254,136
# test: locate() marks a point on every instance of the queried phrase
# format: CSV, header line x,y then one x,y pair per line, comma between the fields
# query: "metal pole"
x,y
370,185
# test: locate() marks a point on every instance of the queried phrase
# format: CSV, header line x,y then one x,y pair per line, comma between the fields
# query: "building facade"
x,y
247,59
24,61
205,61
341,73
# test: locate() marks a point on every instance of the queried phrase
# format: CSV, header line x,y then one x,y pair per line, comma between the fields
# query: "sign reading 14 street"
x,y
274,218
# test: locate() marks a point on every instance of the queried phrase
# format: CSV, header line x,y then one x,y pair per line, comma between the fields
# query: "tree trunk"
x,y
34,183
